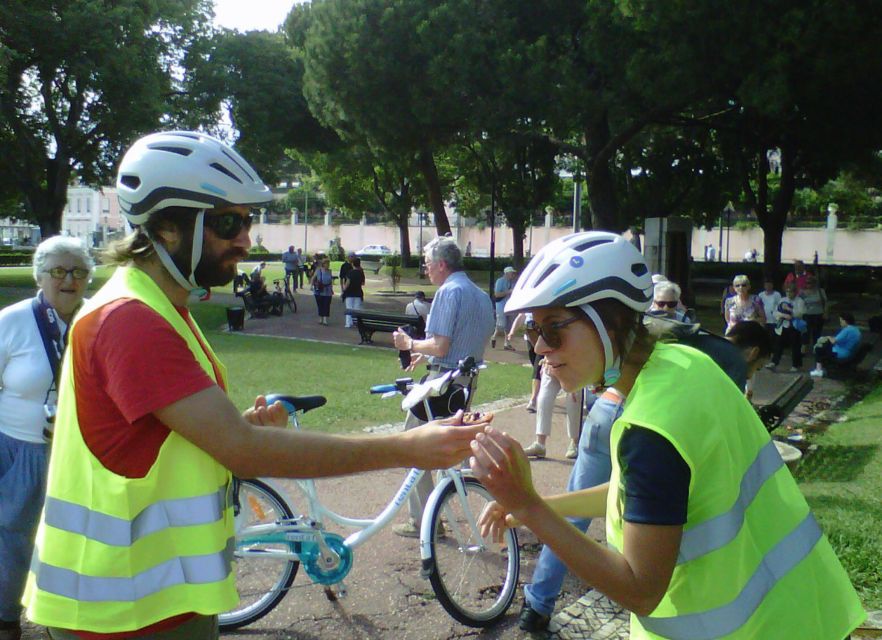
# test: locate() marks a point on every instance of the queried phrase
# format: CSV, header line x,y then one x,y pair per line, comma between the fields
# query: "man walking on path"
x,y
460,322
501,291
135,536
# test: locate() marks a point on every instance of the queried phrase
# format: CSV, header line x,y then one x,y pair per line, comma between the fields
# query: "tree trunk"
x,y
429,170
599,179
517,231
47,203
404,231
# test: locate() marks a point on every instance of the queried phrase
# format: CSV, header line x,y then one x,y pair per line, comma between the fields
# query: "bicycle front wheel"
x,y
291,302
475,579
263,571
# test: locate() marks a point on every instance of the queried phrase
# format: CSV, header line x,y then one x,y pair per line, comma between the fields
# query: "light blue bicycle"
x,y
475,580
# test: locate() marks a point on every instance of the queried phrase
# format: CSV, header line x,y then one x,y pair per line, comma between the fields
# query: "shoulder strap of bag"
x,y
51,340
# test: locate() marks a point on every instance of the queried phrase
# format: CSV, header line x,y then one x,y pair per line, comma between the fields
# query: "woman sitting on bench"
x,y
838,348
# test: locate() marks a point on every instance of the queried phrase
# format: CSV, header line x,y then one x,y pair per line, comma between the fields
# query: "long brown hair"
x,y
633,341
137,245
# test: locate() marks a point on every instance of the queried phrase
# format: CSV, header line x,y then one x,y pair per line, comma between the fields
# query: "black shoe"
x,y
531,620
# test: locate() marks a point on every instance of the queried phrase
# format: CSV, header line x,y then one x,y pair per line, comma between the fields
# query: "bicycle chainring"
x,y
310,558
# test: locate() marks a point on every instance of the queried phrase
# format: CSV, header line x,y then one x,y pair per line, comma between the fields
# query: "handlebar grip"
x,y
383,388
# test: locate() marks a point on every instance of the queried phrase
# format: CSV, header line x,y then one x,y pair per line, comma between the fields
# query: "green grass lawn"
x,y
342,373
843,485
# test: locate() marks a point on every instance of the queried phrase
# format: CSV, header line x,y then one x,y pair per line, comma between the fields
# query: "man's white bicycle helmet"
x,y
582,268
184,169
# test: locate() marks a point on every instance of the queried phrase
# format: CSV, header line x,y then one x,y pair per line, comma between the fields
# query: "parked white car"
x,y
374,250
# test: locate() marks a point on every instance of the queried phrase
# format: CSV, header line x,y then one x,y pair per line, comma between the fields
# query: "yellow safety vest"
x,y
753,562
117,554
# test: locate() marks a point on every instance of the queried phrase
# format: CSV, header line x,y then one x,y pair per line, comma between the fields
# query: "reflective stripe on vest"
x,y
716,623
717,532
119,532
212,567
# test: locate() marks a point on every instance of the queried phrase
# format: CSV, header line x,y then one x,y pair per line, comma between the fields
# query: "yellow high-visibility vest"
x,y
118,554
753,562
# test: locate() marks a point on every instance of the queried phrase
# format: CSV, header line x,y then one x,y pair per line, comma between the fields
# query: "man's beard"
x,y
211,270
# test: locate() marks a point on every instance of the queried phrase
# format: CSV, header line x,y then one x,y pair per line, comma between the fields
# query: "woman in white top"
x,y
32,336
789,315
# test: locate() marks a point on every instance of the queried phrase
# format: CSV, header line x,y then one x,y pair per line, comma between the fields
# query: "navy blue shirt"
x,y
655,476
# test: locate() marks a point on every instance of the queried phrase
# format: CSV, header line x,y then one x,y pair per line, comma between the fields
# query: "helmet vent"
x,y
547,273
591,243
638,268
132,182
225,171
181,151
233,159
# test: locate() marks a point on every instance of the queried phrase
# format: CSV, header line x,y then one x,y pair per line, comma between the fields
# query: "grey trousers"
x,y
417,499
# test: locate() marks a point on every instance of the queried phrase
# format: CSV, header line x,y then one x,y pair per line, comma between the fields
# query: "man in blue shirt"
x,y
839,347
459,325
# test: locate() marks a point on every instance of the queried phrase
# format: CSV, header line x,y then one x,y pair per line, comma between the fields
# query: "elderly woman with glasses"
x,y
743,306
32,340
666,301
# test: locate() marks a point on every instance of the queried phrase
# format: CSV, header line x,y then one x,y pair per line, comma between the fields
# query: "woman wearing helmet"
x,y
708,534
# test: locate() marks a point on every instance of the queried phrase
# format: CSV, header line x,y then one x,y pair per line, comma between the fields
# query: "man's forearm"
x,y
431,347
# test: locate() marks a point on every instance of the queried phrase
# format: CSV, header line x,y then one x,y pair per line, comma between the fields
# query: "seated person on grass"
x,y
832,349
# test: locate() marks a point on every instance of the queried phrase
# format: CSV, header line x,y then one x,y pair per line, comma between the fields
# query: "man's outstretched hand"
x,y
443,443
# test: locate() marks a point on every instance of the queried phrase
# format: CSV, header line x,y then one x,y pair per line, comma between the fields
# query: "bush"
x,y
336,252
16,258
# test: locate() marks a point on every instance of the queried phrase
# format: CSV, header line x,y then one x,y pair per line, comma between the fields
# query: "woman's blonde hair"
x,y
741,279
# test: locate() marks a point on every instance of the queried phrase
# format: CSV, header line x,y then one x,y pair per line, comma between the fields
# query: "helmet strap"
x,y
195,256
611,364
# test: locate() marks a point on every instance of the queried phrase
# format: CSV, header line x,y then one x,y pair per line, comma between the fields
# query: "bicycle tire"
x,y
475,583
261,584
291,302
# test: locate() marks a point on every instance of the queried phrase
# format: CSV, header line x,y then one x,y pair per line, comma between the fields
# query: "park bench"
x,y
849,365
369,322
775,412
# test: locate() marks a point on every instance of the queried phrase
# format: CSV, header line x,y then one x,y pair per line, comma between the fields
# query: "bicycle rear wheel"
x,y
475,580
290,301
263,575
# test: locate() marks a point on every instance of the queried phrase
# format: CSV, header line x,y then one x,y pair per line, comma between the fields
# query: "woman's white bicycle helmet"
x,y
184,169
579,269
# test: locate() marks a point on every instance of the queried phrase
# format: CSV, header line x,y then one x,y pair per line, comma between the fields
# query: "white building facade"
x,y
91,214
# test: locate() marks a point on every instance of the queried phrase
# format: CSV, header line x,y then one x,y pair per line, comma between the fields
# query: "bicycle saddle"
x,y
297,403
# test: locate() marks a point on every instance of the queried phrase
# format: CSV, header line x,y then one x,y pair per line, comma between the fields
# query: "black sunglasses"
x,y
227,226
60,273
666,303
550,332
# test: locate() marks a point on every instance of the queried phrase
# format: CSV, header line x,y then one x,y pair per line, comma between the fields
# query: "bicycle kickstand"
x,y
341,592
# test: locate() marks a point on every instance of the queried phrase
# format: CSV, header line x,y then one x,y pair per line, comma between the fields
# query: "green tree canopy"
x,y
80,80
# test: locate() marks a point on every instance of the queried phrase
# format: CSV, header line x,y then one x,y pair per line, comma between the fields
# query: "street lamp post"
x,y
729,209
305,218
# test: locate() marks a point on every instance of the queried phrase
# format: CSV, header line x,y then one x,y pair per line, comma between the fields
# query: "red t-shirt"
x,y
129,362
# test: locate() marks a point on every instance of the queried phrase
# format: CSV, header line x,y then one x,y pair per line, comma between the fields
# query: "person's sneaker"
x,y
770,366
531,408
409,529
572,451
508,347
406,529
535,450
531,620
793,370
817,373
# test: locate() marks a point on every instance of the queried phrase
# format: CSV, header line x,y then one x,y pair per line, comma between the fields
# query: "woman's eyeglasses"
x,y
670,304
740,285
550,332
227,226
60,273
